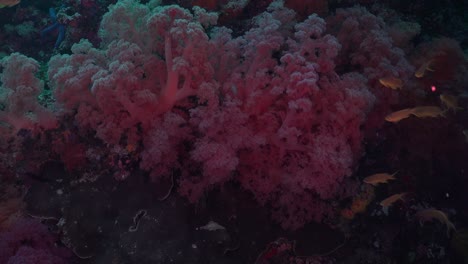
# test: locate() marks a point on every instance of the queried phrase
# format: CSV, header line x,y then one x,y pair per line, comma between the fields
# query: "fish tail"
x,y
450,227
444,113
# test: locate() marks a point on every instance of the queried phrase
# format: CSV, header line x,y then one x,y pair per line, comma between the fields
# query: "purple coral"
x,y
28,241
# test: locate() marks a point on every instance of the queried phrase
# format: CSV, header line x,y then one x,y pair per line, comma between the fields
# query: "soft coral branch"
x,y
170,93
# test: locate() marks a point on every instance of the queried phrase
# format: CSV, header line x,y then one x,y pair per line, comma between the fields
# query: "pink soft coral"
x,y
18,94
133,83
292,123
269,108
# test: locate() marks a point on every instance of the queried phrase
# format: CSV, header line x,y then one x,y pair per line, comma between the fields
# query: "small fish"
x,y
450,101
378,178
431,214
212,226
391,82
130,147
423,68
392,199
8,3
428,111
399,115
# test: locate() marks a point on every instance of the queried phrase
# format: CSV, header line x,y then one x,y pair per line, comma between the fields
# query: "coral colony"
x,y
230,132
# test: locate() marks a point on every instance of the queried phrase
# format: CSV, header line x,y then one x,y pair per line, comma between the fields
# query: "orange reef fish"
x,y
392,199
450,101
423,68
359,203
8,3
434,214
428,111
378,178
399,115
391,82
